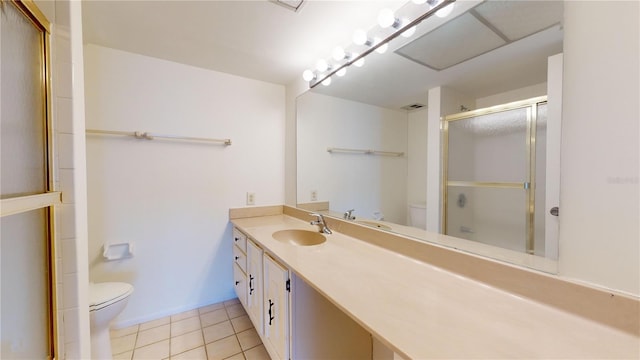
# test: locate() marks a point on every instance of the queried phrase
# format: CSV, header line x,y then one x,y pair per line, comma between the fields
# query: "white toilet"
x,y
106,301
418,215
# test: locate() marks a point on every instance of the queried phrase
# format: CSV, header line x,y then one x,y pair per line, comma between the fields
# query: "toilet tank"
x,y
418,215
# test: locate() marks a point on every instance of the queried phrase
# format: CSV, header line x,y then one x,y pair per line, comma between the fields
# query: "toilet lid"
x,y
107,293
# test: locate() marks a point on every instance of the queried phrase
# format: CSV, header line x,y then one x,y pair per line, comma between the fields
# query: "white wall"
x,y
171,198
368,183
417,156
599,194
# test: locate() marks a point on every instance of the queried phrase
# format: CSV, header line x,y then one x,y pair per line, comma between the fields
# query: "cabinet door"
x,y
276,304
254,285
240,284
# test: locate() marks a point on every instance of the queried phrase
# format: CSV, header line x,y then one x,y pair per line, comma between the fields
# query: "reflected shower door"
x,y
491,176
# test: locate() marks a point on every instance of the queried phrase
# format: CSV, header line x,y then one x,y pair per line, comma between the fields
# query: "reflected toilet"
x,y
418,215
106,301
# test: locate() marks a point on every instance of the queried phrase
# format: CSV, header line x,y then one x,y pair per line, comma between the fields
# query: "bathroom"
x,y
174,212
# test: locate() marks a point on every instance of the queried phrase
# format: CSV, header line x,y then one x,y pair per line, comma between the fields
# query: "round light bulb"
x,y
383,48
326,82
419,2
386,18
339,54
308,75
360,37
341,72
410,31
445,11
322,65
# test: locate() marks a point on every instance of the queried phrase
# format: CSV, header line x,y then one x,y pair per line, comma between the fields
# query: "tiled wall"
x,y
71,314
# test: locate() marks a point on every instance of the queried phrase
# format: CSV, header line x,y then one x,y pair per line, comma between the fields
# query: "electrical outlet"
x,y
251,198
314,195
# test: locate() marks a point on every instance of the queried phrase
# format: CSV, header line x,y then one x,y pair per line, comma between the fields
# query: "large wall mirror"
x,y
363,143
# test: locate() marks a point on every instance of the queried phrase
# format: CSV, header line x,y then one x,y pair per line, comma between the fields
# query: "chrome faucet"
x,y
348,215
320,221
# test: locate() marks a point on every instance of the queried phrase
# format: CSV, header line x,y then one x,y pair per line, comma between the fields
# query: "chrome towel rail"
x,y
152,136
365,151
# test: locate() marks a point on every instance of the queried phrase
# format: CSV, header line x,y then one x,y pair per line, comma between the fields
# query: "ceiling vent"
x,y
293,5
411,107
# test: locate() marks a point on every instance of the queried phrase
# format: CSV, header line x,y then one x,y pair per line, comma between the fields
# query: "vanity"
x,y
366,293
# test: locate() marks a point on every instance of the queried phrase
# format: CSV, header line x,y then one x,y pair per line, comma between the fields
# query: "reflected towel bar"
x,y
152,136
365,151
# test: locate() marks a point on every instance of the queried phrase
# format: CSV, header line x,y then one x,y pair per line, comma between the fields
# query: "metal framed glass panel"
x,y
27,194
490,167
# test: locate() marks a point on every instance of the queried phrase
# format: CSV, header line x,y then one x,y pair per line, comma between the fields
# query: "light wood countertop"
x,y
422,311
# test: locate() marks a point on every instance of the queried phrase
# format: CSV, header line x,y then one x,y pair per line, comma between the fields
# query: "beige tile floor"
x,y
218,331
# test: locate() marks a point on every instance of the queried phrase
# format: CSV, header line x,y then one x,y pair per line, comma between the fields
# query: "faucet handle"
x,y
348,215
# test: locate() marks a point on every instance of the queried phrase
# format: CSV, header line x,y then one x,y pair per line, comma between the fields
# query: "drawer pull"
x,y
271,317
237,257
237,239
237,282
251,284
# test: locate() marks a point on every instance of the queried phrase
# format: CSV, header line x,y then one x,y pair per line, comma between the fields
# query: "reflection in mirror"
x,y
488,53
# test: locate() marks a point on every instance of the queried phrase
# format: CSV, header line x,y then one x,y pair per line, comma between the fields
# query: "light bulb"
x,y
360,61
339,54
326,82
445,11
360,37
322,65
341,72
383,48
410,31
419,2
308,75
386,18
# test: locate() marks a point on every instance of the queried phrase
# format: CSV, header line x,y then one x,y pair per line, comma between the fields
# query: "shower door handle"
x,y
555,211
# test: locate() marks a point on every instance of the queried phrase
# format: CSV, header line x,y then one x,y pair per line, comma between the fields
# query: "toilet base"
x,y
101,344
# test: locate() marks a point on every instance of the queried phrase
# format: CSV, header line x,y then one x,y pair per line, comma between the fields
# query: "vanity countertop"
x,y
422,311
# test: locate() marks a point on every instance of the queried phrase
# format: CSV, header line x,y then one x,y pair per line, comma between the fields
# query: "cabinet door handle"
x,y
237,239
237,257
251,284
271,317
237,282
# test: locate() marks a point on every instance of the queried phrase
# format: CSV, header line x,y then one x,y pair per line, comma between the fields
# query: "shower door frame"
x,y
51,197
531,105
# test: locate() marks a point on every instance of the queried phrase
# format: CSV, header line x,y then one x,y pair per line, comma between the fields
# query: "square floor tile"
x,y
241,323
213,317
211,307
248,339
257,353
218,331
114,333
123,343
124,356
239,356
235,311
157,351
184,315
153,335
188,341
184,326
223,348
232,301
155,323
194,354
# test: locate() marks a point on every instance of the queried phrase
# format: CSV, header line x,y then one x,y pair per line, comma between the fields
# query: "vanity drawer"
x,y
240,258
240,240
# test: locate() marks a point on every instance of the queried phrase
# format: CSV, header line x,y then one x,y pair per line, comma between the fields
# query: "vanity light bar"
x,y
318,80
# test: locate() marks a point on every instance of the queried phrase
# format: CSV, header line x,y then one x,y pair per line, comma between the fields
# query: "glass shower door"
x,y
490,176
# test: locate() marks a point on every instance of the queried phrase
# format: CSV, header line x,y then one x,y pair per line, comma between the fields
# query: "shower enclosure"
x,y
494,175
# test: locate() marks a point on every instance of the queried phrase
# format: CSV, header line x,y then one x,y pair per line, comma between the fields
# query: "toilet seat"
x,y
102,295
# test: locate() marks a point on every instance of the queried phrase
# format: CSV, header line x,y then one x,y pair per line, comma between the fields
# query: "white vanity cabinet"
x,y
255,306
293,320
276,303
